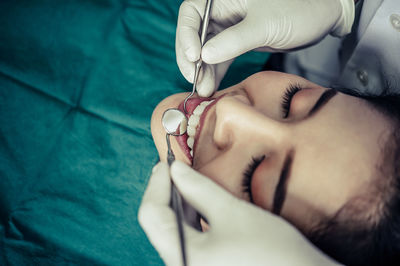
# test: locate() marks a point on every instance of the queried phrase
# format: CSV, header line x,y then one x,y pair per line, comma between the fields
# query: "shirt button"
x,y
362,76
395,21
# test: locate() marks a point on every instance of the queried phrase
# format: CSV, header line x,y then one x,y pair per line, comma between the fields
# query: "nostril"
x,y
223,135
222,142
225,123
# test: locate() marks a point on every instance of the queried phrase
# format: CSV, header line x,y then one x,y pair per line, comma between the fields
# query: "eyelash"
x,y
248,175
287,98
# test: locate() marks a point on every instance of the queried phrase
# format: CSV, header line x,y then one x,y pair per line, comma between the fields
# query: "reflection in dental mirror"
x,y
174,122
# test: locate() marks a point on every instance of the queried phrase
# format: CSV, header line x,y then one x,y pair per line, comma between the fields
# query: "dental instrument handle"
x,y
176,204
199,62
206,19
170,154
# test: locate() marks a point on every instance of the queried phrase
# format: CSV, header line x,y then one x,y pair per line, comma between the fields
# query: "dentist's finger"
x,y
224,46
186,67
206,83
158,220
187,31
212,78
162,232
203,194
159,185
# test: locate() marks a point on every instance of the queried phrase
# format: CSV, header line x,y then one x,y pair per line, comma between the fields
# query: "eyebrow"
x,y
280,190
325,97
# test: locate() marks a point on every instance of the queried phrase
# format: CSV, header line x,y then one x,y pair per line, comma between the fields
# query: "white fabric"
x,y
377,53
319,63
374,63
368,12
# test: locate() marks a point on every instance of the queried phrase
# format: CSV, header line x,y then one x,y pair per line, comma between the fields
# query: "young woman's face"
x,y
301,153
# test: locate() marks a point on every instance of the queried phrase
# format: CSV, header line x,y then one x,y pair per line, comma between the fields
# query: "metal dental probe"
x,y
175,123
199,62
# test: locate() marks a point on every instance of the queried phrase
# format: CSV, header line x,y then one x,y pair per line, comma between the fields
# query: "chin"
x,y
158,132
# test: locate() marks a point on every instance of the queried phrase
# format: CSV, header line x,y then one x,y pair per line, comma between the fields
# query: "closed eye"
x,y
248,175
287,98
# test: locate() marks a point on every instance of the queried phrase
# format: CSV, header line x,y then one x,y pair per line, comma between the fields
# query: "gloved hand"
x,y
240,233
239,26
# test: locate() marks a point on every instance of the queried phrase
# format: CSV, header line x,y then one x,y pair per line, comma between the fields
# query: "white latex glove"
x,y
240,233
239,26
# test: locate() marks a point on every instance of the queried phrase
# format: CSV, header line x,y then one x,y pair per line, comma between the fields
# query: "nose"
x,y
241,124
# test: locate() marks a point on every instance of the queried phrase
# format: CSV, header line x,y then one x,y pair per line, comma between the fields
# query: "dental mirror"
x,y
175,124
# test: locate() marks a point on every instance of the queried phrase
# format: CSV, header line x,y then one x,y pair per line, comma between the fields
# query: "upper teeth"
x,y
193,122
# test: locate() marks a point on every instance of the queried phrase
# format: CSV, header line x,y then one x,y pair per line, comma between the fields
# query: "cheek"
x,y
267,101
225,174
267,90
157,130
219,176
324,178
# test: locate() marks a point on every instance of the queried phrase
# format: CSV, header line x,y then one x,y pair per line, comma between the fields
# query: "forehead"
x,y
335,164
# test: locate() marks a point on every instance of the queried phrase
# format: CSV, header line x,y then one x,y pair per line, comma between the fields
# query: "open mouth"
x,y
197,109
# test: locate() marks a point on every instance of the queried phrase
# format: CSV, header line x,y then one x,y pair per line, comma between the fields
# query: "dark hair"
x,y
366,231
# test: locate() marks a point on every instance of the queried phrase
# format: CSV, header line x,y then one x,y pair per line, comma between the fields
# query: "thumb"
x,y
214,74
206,85
232,42
201,192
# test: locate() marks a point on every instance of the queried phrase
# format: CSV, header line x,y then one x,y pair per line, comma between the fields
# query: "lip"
x,y
191,104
